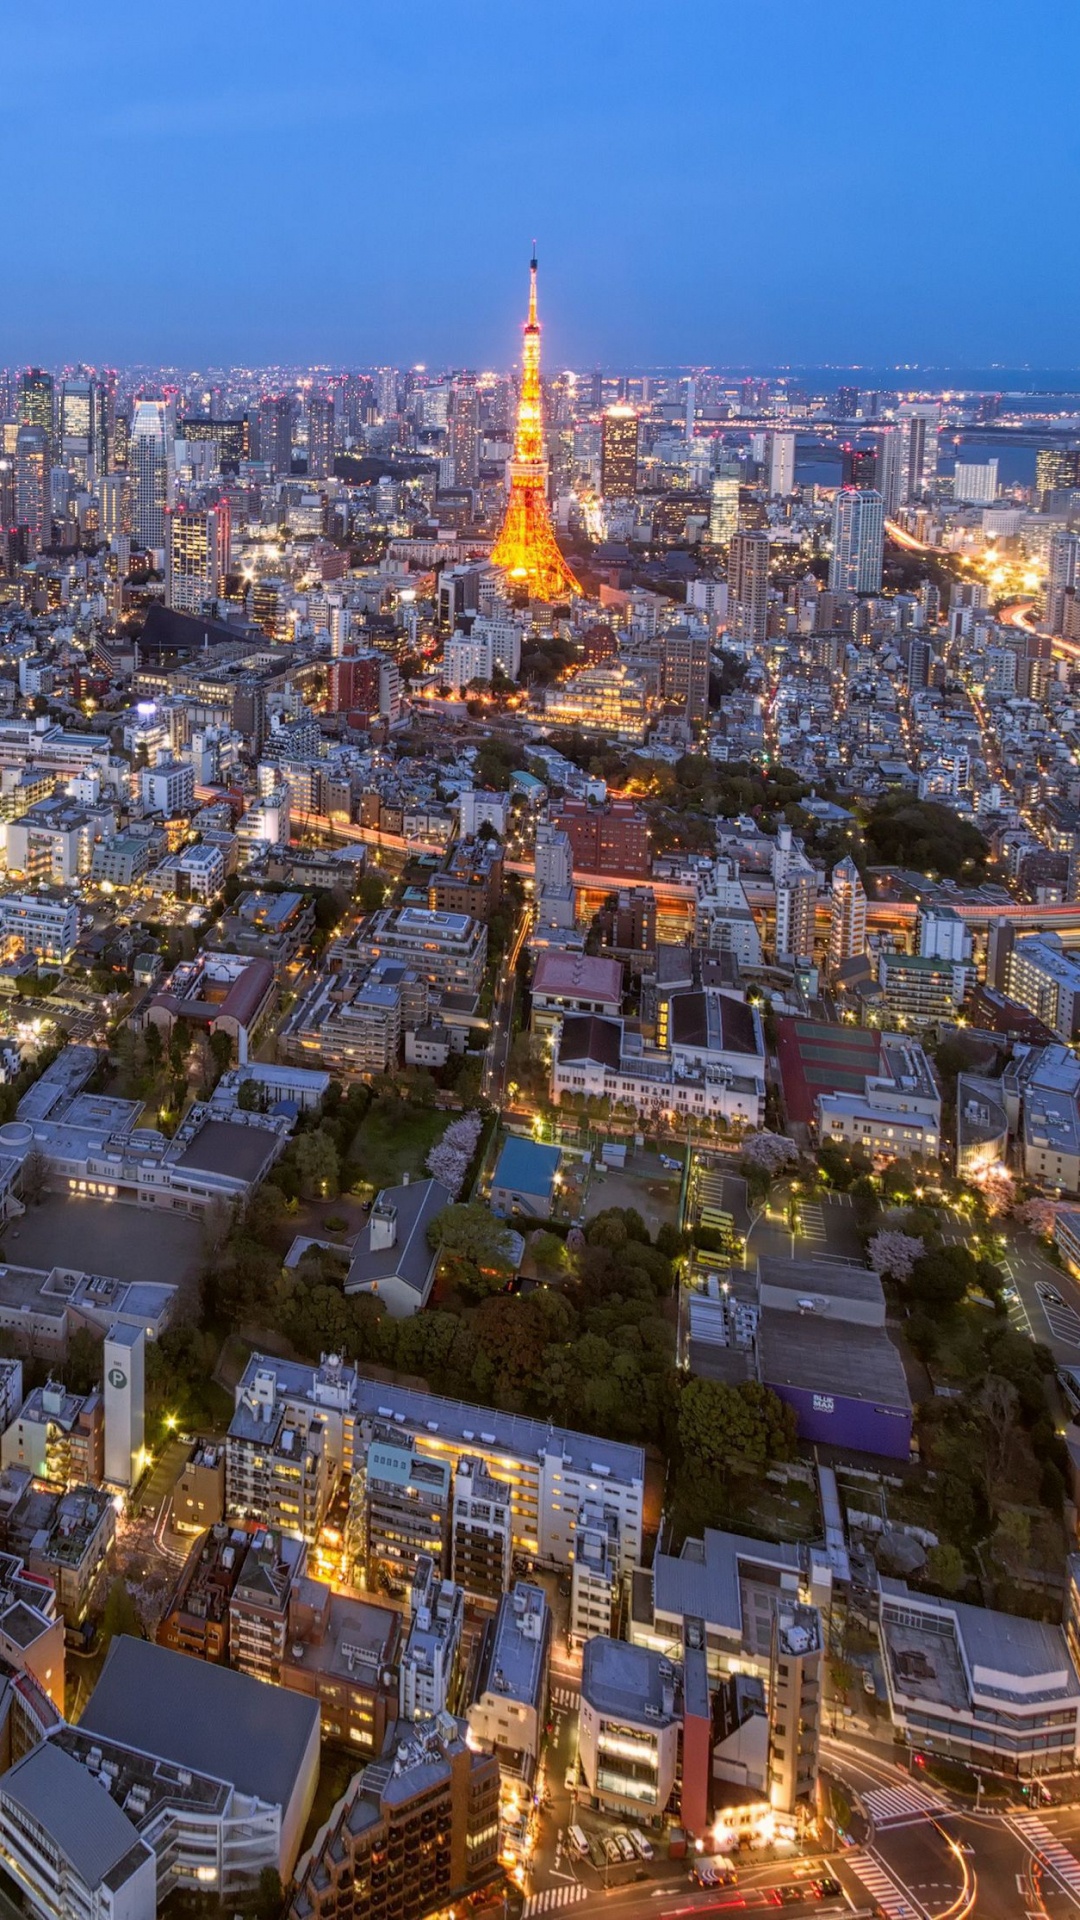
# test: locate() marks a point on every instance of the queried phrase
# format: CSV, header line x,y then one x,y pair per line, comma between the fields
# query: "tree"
x,y
549,1252
945,1567
317,1164
449,1160
372,892
221,1051
939,1280
722,1425
893,1255
473,1245
35,1176
923,835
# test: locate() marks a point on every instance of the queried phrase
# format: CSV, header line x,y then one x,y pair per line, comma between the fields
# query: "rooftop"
x,y
205,1717
578,976
627,1682
86,1825
527,1166
858,1362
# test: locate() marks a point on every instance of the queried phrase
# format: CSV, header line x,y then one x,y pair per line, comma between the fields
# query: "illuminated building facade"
x,y
526,545
619,453
196,556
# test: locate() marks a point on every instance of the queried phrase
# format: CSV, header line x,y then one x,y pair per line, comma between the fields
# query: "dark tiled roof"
x,y
589,1037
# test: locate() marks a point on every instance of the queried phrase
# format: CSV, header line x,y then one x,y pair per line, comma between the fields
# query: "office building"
x,y
611,838
196,556
320,436
465,431
428,1666
748,586
414,1833
69,1848
594,1577
612,700
619,453
151,467
1063,565
858,541
975,484
847,914
154,1709
628,1729
780,464
1057,469
37,405
683,654
509,1704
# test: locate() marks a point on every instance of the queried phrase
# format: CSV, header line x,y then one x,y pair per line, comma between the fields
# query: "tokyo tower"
x,y
526,545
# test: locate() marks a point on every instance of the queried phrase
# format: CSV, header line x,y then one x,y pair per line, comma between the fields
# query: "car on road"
x,y
827,1888
1049,1294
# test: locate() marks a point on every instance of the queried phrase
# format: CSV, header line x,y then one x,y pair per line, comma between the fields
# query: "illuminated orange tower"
x,y
526,546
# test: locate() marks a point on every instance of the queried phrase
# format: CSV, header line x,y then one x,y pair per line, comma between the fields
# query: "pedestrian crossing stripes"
x,y
552,1899
812,1222
1039,1838
897,1806
1063,1321
567,1698
890,1901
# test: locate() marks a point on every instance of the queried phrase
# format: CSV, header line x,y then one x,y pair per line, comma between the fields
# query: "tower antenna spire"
x,y
526,545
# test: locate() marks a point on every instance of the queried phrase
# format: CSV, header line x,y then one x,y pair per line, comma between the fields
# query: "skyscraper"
x,y
619,453
780,455
723,508
196,556
32,508
526,545
320,413
1061,581
748,586
889,477
858,534
975,483
1056,469
150,462
276,412
847,914
919,423
36,404
465,431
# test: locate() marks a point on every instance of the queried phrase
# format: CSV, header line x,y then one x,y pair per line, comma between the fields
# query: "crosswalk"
x,y
1064,1321
566,1698
900,1806
1037,1835
552,1899
812,1223
890,1900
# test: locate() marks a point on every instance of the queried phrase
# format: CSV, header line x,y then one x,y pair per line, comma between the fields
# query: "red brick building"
x,y
612,838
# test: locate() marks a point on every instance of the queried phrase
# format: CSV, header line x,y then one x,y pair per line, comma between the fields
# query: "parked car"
x,y
641,1846
625,1846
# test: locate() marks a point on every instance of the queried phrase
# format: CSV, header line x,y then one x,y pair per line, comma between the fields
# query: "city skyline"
x,y
694,192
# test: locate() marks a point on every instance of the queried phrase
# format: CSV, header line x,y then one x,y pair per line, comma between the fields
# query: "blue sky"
x,y
359,180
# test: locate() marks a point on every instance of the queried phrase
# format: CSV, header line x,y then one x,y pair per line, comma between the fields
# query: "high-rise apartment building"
x,y
723,509
196,556
919,420
795,1687
465,431
275,430
1061,577
683,653
32,500
847,914
858,534
416,1832
780,458
796,901
320,425
889,474
619,453
1057,469
975,483
150,461
748,586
